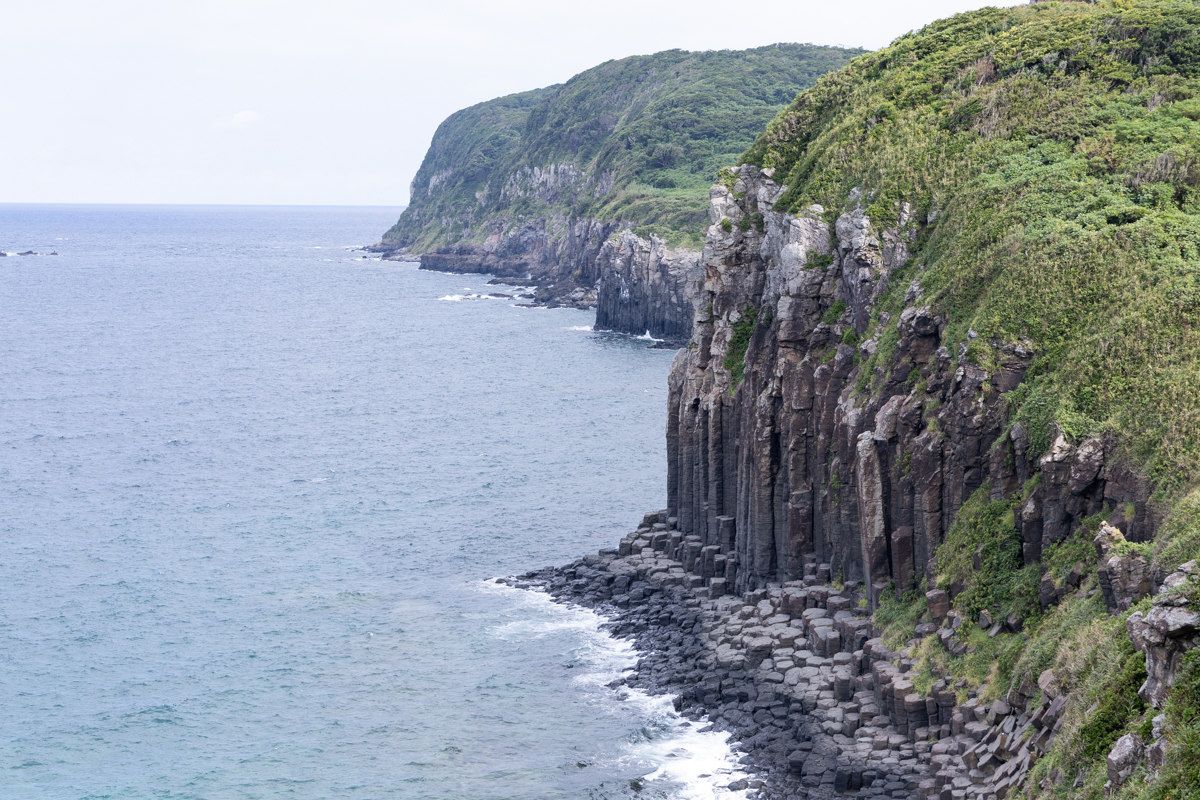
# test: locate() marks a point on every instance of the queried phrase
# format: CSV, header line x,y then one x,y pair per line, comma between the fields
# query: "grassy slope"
x,y
1053,155
661,125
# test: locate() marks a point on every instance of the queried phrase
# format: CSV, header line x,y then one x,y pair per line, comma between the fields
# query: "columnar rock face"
x,y
807,455
641,287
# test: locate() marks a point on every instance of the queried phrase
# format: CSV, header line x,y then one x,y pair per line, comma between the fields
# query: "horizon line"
x,y
209,205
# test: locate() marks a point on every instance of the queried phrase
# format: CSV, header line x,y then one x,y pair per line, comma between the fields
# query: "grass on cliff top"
x,y
1051,155
655,128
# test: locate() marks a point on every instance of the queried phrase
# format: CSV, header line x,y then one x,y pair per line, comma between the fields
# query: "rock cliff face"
x,y
809,456
637,285
641,287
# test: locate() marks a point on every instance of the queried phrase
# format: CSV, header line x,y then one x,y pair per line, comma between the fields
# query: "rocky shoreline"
x,y
636,285
792,736
817,705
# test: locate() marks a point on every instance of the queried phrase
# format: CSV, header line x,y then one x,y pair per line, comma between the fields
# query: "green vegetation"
x,y
983,530
834,312
1093,659
1179,539
1118,704
1179,776
743,329
1052,154
640,139
897,618
1087,649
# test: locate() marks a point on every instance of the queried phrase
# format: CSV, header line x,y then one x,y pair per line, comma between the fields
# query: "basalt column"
x,y
791,462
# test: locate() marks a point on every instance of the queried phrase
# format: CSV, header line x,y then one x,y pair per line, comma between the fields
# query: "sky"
x,y
326,103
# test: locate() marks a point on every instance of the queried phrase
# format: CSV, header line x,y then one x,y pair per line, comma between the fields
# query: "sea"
x,y
256,486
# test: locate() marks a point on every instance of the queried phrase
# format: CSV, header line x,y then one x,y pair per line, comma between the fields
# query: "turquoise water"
x,y
253,487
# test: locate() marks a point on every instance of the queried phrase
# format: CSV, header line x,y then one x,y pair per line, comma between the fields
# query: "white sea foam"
x,y
695,763
458,298
647,338
587,328
700,762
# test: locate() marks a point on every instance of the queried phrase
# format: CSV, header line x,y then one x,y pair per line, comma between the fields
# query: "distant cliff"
x,y
597,188
946,345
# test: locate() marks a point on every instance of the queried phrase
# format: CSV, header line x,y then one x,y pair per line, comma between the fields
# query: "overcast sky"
x,y
296,102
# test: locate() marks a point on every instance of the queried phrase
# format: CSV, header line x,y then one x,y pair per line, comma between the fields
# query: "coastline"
x,y
817,706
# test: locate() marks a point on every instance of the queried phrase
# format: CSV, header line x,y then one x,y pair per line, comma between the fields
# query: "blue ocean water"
x,y
254,485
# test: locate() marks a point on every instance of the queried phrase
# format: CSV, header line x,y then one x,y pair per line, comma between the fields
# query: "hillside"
x,y
945,345
638,139
534,185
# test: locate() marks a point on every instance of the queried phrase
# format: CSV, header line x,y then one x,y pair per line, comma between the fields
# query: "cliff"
x,y
945,349
597,188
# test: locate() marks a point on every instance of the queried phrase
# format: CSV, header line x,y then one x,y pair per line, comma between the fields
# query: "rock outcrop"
x,y
1167,631
636,285
814,454
562,257
640,287
1124,579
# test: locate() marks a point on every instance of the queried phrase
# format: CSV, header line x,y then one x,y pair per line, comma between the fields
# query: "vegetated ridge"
x,y
946,339
534,184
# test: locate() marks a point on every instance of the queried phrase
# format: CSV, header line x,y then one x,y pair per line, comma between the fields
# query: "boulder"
x,y
1048,683
1170,629
1123,759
